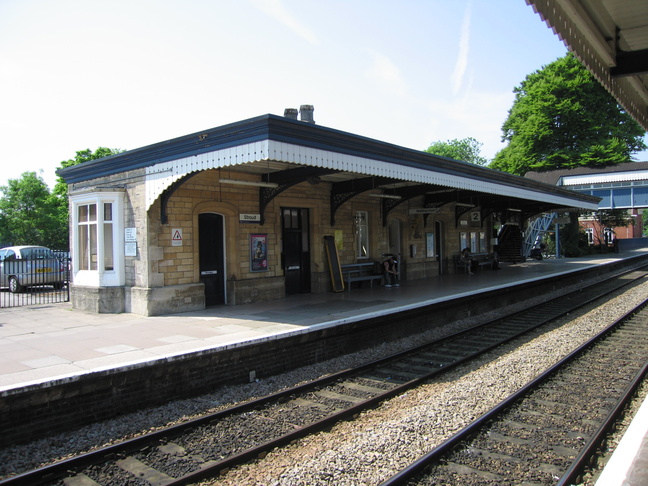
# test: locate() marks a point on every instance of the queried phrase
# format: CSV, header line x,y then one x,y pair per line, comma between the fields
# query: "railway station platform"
x,y
46,343
49,342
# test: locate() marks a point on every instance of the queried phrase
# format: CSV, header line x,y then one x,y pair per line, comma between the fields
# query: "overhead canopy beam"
x,y
286,179
630,63
341,192
166,195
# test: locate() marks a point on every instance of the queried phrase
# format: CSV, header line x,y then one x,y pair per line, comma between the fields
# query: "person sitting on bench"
x,y
390,272
471,264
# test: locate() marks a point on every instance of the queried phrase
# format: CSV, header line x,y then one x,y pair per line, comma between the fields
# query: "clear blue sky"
x,y
77,74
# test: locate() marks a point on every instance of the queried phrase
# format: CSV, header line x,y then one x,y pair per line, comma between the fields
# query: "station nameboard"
x,y
424,210
249,218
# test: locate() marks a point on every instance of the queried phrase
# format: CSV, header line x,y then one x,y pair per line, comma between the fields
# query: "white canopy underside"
x,y
626,176
160,176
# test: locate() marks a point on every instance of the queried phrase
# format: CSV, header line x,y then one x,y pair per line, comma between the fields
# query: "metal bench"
x,y
481,259
360,272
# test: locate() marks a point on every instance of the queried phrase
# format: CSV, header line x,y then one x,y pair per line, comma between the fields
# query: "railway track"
x,y
550,431
206,446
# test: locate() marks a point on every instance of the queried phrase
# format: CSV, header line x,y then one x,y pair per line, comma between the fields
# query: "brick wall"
x,y
35,411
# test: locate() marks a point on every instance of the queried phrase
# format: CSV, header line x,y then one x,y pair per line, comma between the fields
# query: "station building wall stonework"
x,y
163,277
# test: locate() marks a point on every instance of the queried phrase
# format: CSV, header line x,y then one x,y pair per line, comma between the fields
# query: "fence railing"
x,y
41,277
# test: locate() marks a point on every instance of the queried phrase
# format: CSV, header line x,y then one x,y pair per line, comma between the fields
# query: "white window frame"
x,y
100,277
590,235
463,241
362,234
475,241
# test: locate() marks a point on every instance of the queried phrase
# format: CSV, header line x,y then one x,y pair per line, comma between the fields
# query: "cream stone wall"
x,y
164,278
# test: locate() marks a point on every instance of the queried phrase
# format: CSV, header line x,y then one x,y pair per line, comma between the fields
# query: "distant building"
x,y
623,186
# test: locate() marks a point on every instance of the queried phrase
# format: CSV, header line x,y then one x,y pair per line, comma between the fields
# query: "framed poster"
x,y
259,253
429,245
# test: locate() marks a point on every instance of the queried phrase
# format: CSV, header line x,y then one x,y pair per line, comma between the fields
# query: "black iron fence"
x,y
34,277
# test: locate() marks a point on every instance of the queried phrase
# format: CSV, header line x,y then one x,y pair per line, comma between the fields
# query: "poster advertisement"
x,y
259,253
429,245
339,239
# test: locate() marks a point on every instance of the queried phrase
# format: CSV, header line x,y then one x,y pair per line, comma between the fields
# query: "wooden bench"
x,y
482,259
359,272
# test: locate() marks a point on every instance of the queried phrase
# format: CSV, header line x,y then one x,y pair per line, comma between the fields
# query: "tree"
x,y
28,214
60,192
563,118
467,149
60,189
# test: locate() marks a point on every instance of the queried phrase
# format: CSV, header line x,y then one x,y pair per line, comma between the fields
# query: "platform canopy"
x,y
279,152
610,37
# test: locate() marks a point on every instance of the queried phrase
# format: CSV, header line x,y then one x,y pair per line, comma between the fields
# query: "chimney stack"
x,y
307,113
291,113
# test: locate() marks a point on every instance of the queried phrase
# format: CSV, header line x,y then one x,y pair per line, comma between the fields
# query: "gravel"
x,y
373,447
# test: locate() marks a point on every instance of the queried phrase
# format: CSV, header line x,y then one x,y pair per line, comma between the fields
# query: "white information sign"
x,y
130,249
130,234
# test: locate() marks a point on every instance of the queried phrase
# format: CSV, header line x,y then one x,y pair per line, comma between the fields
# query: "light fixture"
x,y
464,205
442,191
248,183
386,196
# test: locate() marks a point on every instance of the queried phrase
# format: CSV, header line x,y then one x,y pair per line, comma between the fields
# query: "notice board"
x,y
334,264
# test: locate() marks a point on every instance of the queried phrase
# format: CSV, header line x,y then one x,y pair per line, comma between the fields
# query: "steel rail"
x,y
417,467
61,468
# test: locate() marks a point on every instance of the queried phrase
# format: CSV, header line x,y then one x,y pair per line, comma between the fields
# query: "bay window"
x,y
96,248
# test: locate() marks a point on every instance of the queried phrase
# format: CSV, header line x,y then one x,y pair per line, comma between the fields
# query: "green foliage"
x,y
563,118
570,237
60,192
60,189
28,214
32,215
467,149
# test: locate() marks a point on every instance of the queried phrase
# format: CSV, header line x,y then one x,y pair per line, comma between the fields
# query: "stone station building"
x,y
256,210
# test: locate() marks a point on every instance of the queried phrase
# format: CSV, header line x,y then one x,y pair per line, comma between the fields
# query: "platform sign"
x,y
424,210
176,237
250,218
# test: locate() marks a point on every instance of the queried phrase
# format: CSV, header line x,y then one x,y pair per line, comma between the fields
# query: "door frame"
x,y
224,251
305,266
439,239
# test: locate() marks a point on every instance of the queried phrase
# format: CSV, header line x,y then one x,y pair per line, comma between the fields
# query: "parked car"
x,y
30,266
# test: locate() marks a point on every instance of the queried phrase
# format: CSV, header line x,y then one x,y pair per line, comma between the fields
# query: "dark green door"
x,y
295,256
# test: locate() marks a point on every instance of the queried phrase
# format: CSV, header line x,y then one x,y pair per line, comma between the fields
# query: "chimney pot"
x,y
307,113
291,113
